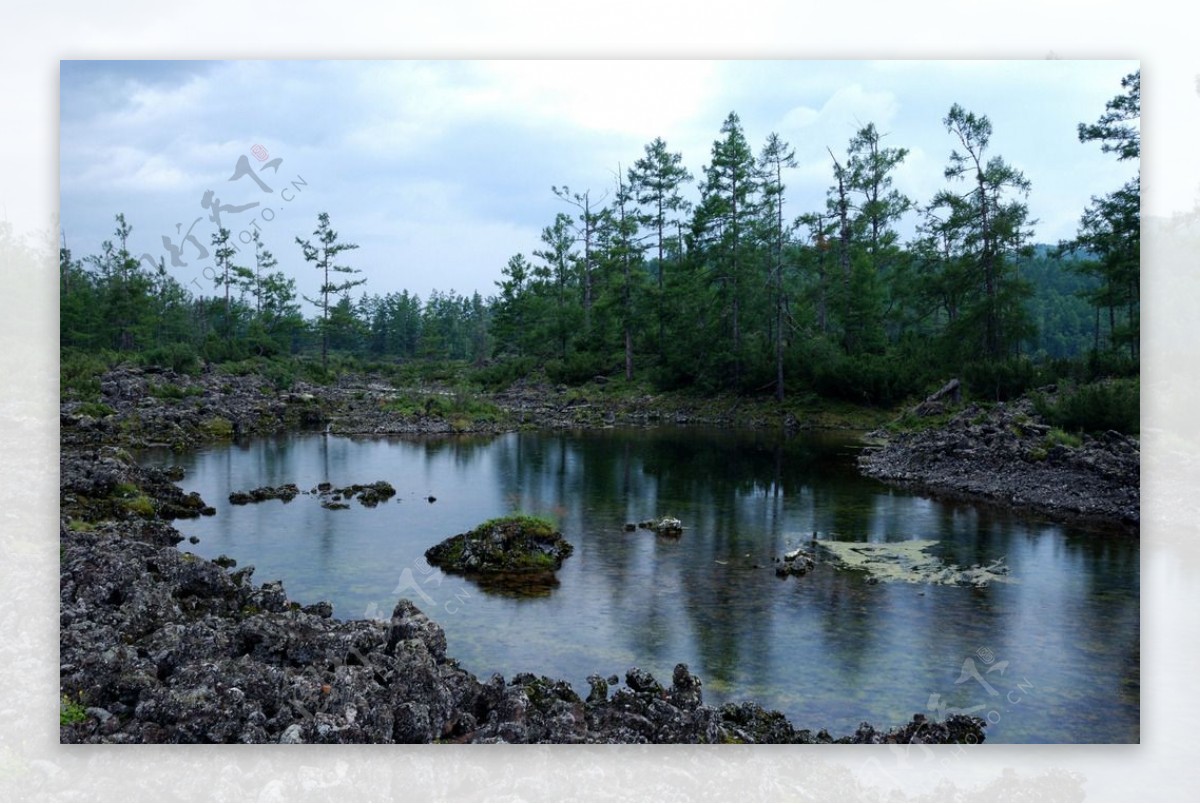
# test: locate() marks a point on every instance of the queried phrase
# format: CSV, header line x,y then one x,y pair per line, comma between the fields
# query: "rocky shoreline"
x,y
159,645
162,646
1007,454
155,407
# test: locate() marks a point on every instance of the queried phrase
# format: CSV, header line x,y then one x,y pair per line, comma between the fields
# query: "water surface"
x,y
1051,657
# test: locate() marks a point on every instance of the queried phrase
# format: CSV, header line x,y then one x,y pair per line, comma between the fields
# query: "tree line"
x,y
732,292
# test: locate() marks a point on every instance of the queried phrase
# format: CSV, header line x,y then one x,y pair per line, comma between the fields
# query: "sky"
x,y
440,171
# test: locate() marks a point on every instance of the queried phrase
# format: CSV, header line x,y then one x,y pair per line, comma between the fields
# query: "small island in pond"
x,y
521,546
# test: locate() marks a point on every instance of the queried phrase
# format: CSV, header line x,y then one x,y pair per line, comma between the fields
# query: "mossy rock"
x,y
218,428
508,545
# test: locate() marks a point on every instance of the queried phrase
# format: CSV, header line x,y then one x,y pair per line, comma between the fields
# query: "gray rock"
x,y
293,734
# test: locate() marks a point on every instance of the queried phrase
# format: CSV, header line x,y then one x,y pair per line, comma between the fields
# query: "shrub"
x,y
1056,437
998,381
172,391
97,410
280,373
125,489
504,373
179,357
220,350
79,373
312,371
140,505
1111,364
576,369
71,710
868,378
1094,408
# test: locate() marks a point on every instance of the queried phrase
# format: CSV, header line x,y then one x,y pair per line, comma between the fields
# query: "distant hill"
x,y
1058,307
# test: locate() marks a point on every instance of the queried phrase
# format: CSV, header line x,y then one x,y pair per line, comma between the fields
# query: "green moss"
x,y
909,422
97,410
538,561
454,550
71,710
217,427
1056,437
403,405
81,526
533,525
172,391
141,505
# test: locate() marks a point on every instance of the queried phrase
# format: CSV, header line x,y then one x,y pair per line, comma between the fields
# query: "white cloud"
x,y
849,106
635,98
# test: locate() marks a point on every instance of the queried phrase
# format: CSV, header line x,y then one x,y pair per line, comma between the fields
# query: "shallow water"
x,y
1051,657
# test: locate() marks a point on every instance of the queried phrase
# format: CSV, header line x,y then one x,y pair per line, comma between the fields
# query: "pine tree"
x,y
556,276
225,276
1110,229
721,227
776,155
656,180
879,206
324,256
589,220
989,220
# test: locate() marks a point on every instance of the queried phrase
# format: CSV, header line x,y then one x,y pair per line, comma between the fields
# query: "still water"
x,y
1051,657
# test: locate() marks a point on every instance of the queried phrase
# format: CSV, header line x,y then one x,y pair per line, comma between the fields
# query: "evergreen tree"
x,y
585,236
776,155
656,181
557,278
879,206
721,228
125,292
511,317
848,314
226,275
988,221
324,256
625,255
1110,229
79,309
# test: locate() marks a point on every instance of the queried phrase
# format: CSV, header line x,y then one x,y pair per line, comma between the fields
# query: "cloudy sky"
x,y
442,170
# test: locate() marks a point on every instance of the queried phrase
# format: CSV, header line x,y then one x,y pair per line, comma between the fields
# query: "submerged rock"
x,y
513,544
664,526
369,495
287,492
911,562
797,562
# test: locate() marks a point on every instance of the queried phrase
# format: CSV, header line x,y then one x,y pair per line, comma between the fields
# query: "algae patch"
x,y
910,562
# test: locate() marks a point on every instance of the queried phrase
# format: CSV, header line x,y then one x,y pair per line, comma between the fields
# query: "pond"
x,y
1050,656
